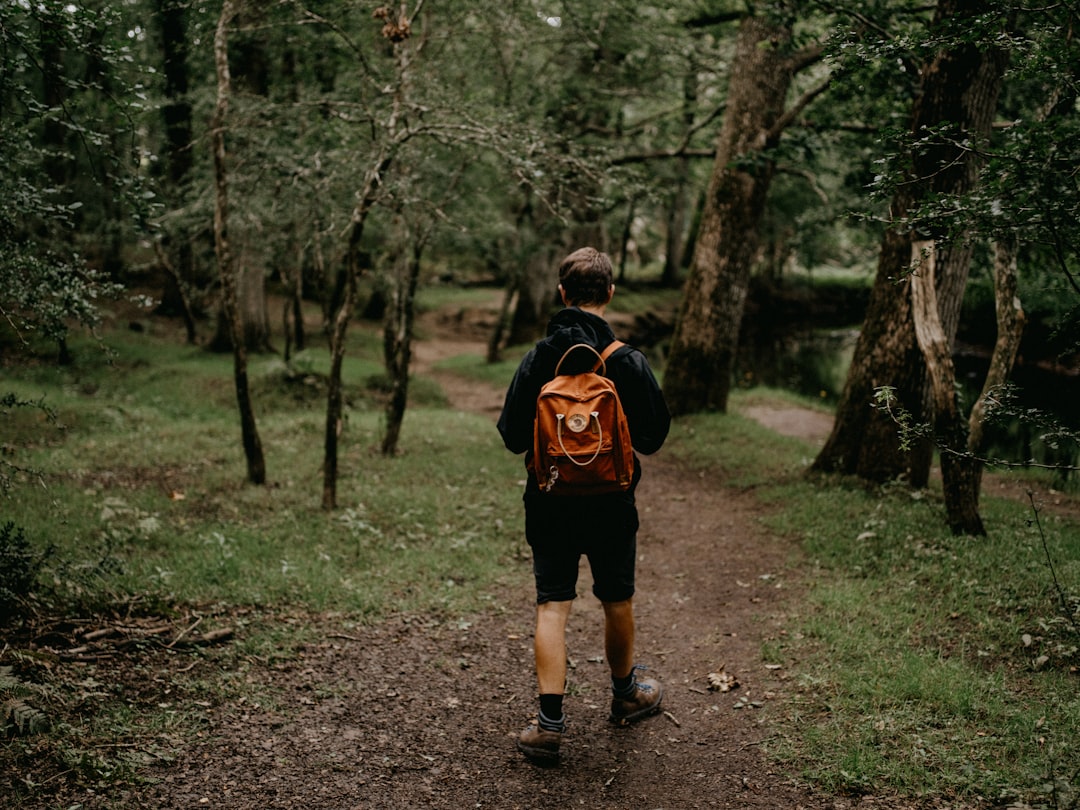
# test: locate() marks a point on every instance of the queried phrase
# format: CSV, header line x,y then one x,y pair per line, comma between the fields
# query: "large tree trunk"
x,y
251,309
702,355
535,296
958,92
256,464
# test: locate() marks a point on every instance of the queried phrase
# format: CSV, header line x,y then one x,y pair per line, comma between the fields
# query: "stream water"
x,y
1040,424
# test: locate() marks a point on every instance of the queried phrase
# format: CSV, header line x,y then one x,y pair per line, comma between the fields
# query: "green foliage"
x,y
63,108
19,567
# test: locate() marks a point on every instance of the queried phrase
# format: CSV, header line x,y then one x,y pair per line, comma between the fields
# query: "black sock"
x,y
551,713
623,687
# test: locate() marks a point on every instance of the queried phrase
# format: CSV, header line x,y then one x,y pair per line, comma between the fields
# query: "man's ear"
x,y
610,294
562,295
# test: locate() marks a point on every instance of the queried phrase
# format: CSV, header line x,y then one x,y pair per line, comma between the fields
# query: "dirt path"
x,y
420,713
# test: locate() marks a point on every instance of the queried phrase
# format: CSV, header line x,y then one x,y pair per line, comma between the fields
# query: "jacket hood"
x,y
569,327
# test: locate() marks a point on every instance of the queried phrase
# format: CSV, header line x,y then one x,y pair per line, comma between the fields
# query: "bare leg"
x,y
619,636
550,646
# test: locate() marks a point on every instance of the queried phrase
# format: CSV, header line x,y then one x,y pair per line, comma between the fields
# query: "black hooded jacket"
x,y
627,368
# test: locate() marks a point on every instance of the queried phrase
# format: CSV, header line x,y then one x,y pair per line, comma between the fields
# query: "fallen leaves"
x,y
721,681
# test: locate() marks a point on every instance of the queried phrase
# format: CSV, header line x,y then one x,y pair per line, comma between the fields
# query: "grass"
x,y
928,665
924,665
143,472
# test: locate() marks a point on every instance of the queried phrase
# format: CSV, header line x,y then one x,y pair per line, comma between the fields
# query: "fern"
x,y
17,717
21,718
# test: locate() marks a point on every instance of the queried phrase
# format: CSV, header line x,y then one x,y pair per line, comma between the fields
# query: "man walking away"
x,y
603,527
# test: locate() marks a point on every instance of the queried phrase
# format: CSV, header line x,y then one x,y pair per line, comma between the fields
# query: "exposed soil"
x,y
421,712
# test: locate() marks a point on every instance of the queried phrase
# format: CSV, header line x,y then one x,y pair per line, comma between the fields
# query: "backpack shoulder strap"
x,y
612,347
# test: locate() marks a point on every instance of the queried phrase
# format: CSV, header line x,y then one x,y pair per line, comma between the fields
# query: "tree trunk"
x,y
397,340
1010,327
256,464
495,341
293,312
625,237
702,355
54,89
393,135
180,291
339,330
535,296
958,91
677,203
254,315
176,113
960,472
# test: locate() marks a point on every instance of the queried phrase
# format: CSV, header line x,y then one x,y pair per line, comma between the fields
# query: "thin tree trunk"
x,y
340,326
180,291
339,329
495,342
960,472
624,239
1010,327
256,465
677,202
175,252
397,343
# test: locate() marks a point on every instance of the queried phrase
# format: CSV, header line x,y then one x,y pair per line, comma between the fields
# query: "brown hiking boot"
x,y
643,702
539,745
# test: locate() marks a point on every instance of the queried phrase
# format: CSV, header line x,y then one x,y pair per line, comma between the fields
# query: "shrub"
x,y
19,566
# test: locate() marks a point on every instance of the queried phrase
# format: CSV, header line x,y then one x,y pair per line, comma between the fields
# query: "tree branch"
x,y
804,58
793,112
661,154
705,20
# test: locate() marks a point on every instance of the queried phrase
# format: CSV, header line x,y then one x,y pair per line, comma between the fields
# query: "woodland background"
x,y
211,153
271,175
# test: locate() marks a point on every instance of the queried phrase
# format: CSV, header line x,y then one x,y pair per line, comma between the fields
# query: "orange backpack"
x,y
581,439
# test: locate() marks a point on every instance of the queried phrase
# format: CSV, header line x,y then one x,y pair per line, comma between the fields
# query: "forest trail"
x,y
421,712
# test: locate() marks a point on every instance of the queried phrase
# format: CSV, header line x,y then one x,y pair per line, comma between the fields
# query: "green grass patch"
x,y
131,505
923,665
142,487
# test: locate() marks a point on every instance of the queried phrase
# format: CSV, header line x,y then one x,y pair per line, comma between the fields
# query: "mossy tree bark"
x,y
702,356
951,116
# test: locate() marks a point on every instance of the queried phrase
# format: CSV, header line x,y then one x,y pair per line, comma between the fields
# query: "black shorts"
x,y
560,529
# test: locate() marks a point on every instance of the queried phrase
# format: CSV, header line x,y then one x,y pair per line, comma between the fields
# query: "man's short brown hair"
x,y
586,277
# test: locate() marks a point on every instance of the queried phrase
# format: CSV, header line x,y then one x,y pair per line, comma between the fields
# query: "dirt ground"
x,y
417,712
